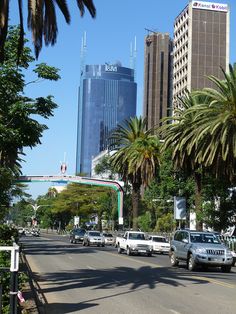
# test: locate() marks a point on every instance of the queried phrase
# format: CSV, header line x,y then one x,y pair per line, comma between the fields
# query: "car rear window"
x,y
94,234
159,239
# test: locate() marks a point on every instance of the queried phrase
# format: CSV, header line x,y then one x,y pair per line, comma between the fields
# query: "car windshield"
x,y
204,238
159,239
107,235
78,231
94,234
136,236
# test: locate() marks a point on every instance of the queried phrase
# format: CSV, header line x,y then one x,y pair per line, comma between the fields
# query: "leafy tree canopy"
x,y
19,127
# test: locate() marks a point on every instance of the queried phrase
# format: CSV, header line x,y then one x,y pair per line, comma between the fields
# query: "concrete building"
x,y
201,46
157,78
107,96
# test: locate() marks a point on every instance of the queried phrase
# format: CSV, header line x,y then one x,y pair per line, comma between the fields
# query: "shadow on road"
x,y
128,279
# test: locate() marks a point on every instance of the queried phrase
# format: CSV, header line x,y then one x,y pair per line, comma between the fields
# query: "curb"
x,y
39,297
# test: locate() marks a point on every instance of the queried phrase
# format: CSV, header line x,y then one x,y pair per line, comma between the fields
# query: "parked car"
x,y
160,244
108,238
199,248
93,238
77,235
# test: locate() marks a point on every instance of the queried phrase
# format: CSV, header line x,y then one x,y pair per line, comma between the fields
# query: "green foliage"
x,y
137,157
105,167
19,127
7,234
219,203
166,223
145,221
47,72
80,200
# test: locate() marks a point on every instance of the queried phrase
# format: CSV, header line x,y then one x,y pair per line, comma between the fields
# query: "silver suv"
x,y
199,248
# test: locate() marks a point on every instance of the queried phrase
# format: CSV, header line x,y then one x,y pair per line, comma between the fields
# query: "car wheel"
x,y
98,244
128,252
71,241
88,244
191,263
149,254
173,259
226,268
83,243
103,245
119,250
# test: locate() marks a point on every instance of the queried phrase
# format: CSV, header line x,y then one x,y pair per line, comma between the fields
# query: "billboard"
x,y
223,7
179,208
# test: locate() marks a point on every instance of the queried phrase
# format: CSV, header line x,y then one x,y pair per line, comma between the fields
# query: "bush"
x,y
7,236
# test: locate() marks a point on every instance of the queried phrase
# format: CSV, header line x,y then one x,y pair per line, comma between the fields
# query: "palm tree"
x,y
137,157
42,21
179,136
215,122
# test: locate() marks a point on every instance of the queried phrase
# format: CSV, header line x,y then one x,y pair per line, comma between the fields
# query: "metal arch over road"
x,y
115,185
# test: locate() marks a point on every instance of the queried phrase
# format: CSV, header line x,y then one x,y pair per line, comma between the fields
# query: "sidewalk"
x,y
30,305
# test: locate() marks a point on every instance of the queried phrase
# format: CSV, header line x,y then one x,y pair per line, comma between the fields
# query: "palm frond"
x,y
4,15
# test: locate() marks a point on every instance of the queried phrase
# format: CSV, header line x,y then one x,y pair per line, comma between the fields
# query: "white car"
x,y
108,238
160,244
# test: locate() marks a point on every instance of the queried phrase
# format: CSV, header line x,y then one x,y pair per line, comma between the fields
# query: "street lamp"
x,y
35,208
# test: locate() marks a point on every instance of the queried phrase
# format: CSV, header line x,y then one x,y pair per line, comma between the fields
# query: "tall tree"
x,y
137,157
179,136
42,21
19,127
215,126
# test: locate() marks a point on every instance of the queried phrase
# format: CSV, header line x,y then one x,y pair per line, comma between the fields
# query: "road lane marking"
x,y
70,257
217,282
213,281
90,267
173,311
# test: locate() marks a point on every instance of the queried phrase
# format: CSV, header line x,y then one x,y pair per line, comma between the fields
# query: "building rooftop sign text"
x,y
210,6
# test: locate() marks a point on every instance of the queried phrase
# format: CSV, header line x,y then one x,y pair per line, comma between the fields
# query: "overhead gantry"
x,y
115,185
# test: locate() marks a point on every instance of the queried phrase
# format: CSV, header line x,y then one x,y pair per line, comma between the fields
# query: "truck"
x,y
134,242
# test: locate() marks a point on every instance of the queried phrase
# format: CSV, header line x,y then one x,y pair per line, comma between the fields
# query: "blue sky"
x,y
108,40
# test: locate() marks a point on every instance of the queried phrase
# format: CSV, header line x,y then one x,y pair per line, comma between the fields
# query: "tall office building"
x,y
157,78
201,45
107,96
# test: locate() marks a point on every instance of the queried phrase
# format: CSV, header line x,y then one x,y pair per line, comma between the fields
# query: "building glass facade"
x,y
107,96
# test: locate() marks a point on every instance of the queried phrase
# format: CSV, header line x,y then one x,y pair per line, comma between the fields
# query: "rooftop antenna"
x,y
133,55
131,59
83,51
80,109
152,31
134,58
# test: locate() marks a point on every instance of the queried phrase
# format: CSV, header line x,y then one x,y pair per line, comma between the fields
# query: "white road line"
x,y
174,312
90,267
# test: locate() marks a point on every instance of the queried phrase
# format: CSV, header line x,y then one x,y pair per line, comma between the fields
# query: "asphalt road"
x,y
77,279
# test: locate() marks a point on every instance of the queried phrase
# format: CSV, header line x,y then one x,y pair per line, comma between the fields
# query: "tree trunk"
x,y
135,204
198,201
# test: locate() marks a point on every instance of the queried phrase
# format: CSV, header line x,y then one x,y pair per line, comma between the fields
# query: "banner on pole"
x,y
179,208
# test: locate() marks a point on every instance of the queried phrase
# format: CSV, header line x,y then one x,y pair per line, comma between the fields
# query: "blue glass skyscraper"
x,y
107,96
